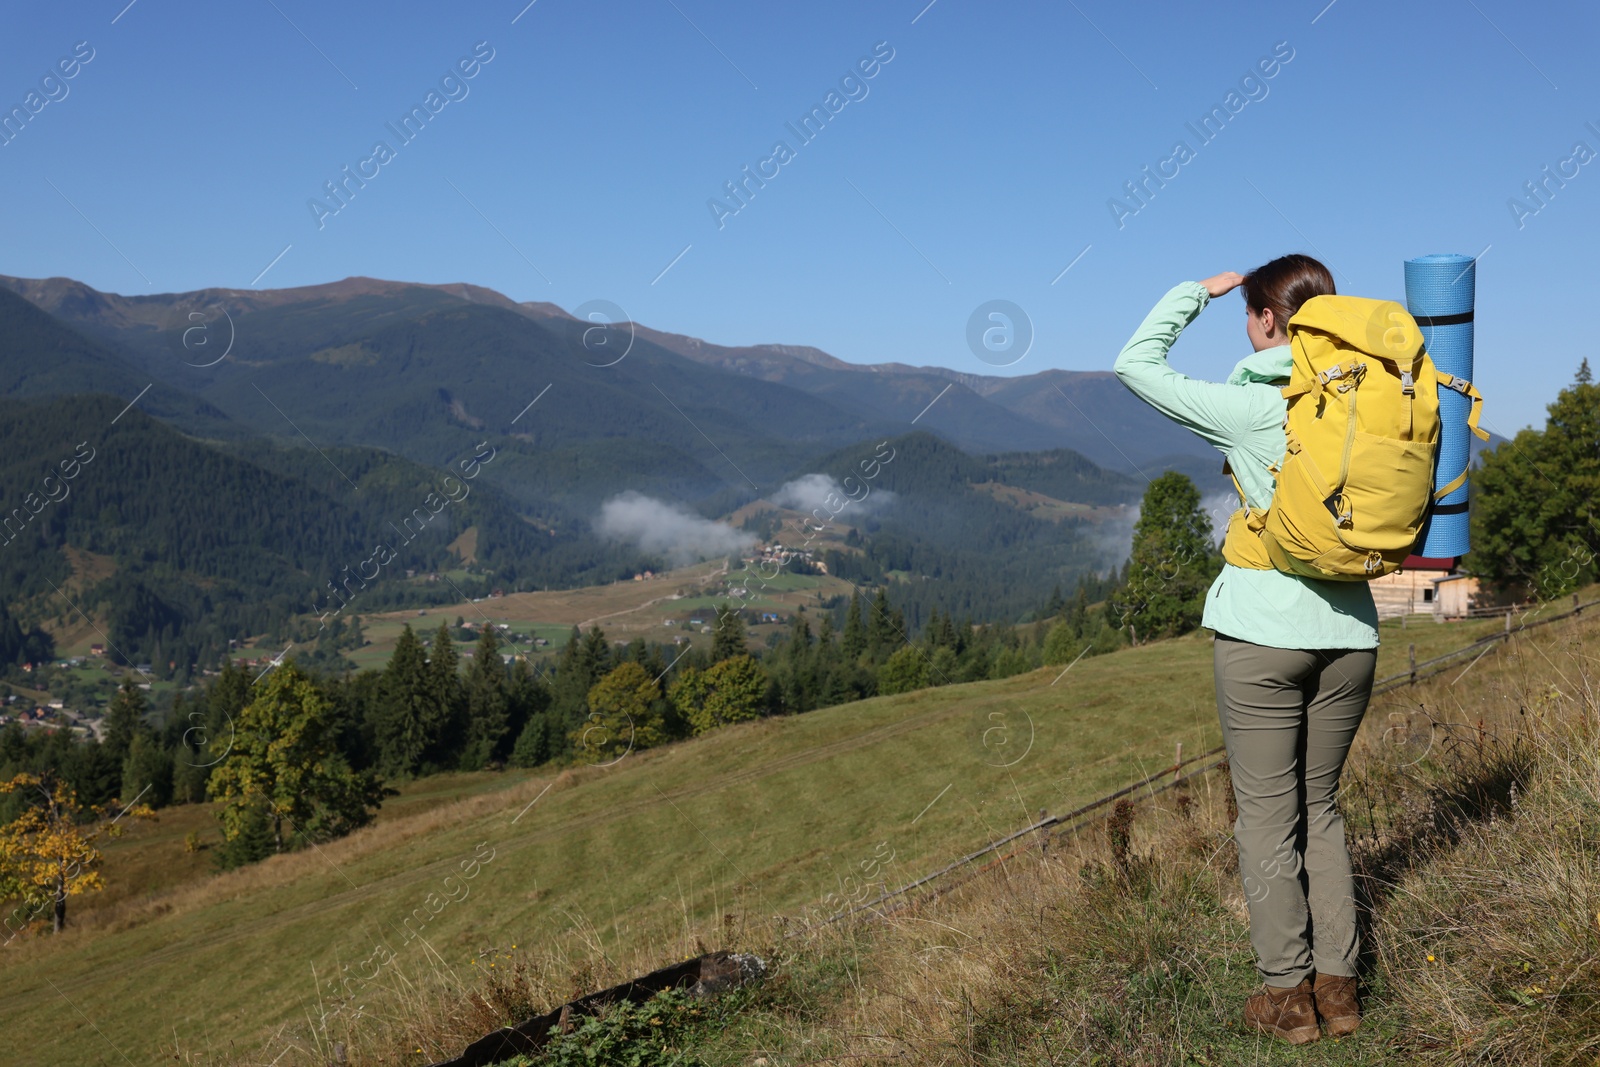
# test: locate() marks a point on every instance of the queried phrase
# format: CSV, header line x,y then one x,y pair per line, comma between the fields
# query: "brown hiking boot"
x,y
1289,1013
1337,1004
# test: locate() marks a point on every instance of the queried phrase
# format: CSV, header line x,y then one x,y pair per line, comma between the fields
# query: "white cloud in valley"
x,y
810,491
668,530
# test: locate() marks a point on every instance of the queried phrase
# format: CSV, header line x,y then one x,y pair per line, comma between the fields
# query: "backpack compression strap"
x,y
1465,388
1324,378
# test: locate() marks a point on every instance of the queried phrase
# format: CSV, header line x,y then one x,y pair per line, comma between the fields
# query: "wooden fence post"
x,y
1413,657
1177,763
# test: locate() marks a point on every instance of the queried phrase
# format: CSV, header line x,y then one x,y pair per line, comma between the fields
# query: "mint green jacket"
x,y
1243,418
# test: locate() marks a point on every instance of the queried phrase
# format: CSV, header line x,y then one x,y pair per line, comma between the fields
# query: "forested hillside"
x,y
959,549
42,357
205,543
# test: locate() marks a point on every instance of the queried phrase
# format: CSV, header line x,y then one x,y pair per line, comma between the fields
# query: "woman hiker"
x,y
1294,660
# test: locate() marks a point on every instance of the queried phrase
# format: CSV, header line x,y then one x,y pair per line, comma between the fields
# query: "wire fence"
x,y
1430,667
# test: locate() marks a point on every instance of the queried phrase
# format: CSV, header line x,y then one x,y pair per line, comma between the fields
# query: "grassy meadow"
x,y
624,610
611,869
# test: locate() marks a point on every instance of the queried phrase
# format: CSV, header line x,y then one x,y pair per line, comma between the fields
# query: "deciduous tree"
x,y
905,670
284,755
48,853
1535,528
622,714
726,692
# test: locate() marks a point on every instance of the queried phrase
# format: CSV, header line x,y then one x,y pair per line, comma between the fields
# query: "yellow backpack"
x,y
1362,430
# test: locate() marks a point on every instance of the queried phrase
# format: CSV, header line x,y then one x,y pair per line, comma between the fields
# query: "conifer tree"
x,y
827,647
795,668
252,837
798,649
727,637
147,772
570,677
487,703
225,698
535,744
597,651
853,643
584,661
527,696
405,708
124,719
885,627
947,633
445,728
1172,561
1078,616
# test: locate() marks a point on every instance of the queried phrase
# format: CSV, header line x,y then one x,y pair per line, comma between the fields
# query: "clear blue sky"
x,y
978,165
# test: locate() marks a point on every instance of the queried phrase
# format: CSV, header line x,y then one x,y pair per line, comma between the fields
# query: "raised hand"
x,y
1218,284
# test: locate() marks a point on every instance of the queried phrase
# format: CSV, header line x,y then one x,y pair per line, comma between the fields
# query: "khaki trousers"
x,y
1288,717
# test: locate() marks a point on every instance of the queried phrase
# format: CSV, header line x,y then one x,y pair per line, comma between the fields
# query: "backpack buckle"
x,y
1408,385
1356,373
1460,385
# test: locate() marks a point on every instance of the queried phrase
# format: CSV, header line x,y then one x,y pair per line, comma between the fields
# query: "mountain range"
x,y
411,367
253,447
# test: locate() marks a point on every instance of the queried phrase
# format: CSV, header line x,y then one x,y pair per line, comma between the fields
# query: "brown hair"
x,y
1284,284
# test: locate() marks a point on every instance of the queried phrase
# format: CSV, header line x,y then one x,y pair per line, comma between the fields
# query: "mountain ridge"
x,y
990,413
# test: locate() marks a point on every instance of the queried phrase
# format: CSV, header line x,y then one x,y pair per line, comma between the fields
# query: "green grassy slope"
x,y
773,815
